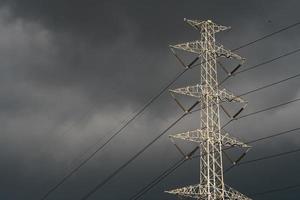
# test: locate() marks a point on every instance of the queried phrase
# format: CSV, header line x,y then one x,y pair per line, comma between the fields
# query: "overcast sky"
x,y
72,71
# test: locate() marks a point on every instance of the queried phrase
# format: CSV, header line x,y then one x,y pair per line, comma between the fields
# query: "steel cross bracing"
x,y
210,137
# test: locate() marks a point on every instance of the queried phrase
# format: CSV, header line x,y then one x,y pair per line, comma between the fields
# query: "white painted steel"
x,y
210,136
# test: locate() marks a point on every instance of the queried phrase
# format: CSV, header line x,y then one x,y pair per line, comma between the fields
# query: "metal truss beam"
x,y
210,138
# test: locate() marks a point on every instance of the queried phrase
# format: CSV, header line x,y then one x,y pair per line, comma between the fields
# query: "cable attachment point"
x,y
186,156
239,112
177,147
189,156
234,70
181,61
193,106
232,73
180,104
241,157
226,96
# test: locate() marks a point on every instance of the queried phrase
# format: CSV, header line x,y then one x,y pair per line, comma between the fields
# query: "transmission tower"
x,y
210,137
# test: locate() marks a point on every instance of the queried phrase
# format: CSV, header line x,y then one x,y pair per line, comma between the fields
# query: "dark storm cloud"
x,y
119,28
96,42
94,19
60,59
104,21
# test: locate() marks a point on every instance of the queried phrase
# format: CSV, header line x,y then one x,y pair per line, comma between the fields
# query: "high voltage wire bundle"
x,y
189,66
177,164
290,187
123,166
190,154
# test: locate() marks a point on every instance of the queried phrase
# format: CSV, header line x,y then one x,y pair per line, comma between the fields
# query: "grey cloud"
x,y
60,59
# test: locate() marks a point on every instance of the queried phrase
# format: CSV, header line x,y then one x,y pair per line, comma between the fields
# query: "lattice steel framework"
x,y
211,138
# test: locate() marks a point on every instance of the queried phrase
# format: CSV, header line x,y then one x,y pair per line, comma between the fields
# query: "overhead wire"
x,y
73,171
102,183
269,108
128,162
180,162
263,158
261,64
290,187
268,35
269,157
269,61
190,66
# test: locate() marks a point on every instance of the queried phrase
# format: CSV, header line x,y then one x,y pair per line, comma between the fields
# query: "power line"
x,y
98,186
269,35
274,135
111,138
264,87
270,157
257,89
261,64
271,84
269,108
180,162
250,114
165,173
262,38
269,61
277,190
191,65
147,146
155,181
263,158
176,165
66,177
262,110
73,171
123,166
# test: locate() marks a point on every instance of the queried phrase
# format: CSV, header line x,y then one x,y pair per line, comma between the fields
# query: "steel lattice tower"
x,y
210,137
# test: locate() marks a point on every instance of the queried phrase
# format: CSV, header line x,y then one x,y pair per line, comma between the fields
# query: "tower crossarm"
x,y
229,141
222,52
197,135
198,91
197,24
192,47
232,194
225,95
200,192
200,135
192,191
197,47
193,91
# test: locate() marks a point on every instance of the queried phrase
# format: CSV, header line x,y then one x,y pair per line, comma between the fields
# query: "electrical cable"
x,y
98,186
269,157
176,165
66,177
276,190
